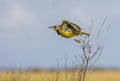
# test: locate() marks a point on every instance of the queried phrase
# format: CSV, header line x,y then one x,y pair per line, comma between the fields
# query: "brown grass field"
x,y
104,75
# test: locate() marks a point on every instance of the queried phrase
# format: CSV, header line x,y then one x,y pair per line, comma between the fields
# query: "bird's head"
x,y
56,27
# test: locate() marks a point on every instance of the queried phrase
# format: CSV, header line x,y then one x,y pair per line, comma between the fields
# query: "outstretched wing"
x,y
75,28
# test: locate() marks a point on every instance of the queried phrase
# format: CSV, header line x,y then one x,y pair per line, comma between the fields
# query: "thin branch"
x,y
108,27
98,48
66,72
97,57
73,73
87,43
98,35
81,69
85,70
57,73
84,53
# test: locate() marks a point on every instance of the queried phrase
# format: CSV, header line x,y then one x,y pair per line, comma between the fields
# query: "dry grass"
x,y
51,76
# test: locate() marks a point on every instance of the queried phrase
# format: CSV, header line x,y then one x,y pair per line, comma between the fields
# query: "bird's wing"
x,y
71,25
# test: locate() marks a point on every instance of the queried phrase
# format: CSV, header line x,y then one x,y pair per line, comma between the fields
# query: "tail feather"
x,y
82,32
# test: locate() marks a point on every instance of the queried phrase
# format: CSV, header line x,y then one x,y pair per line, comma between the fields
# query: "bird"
x,y
68,29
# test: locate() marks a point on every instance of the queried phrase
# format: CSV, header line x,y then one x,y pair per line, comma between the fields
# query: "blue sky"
x,y
26,41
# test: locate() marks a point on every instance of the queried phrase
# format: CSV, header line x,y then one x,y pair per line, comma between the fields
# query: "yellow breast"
x,y
67,33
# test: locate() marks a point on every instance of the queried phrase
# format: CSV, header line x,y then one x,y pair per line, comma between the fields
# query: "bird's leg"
x,y
78,40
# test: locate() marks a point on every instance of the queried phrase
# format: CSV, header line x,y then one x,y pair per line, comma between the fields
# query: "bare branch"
x,y
88,42
57,73
98,48
98,35
108,27
66,72
97,57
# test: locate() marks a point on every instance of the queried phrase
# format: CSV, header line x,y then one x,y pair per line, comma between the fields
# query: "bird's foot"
x,y
78,40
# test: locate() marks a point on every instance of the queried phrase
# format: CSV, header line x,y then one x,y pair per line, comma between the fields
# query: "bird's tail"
x,y
82,32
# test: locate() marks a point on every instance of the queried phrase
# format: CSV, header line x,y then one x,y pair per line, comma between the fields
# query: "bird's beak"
x,y
49,27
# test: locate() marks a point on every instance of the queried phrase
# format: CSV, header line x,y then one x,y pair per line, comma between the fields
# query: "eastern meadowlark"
x,y
68,29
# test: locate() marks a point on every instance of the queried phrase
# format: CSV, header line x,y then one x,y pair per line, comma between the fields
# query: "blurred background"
x,y
26,41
